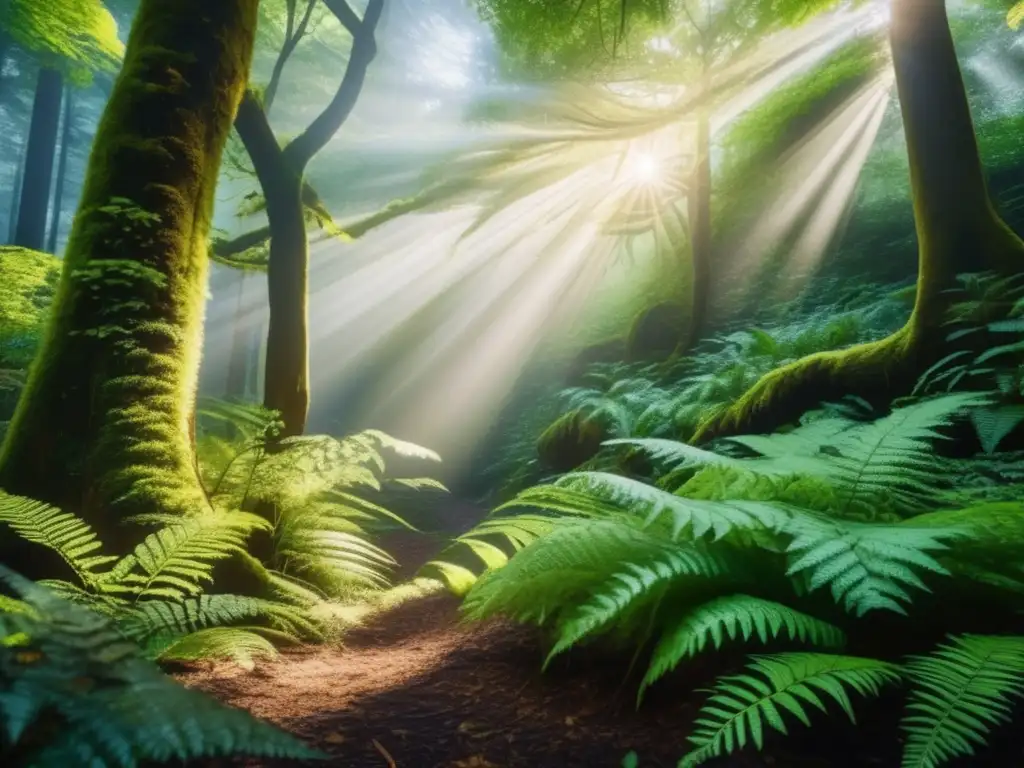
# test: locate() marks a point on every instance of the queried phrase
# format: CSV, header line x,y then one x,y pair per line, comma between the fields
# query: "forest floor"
x,y
413,687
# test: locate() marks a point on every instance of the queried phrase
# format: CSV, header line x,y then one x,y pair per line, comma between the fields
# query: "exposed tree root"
x,y
876,371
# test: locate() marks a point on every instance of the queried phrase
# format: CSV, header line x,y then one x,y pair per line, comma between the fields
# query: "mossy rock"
x,y
570,441
657,332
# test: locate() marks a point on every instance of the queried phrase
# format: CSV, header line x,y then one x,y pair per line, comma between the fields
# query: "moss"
x,y
571,440
957,230
103,425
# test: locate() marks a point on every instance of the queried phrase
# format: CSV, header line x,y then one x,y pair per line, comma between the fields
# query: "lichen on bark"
x,y
104,425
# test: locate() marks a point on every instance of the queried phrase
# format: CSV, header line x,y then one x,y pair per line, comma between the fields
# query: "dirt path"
x,y
414,688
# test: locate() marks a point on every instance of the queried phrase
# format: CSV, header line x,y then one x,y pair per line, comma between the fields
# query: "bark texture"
x,y
103,425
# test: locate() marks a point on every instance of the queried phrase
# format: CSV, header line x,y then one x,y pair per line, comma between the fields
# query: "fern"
x,y
632,584
697,517
562,567
734,617
64,533
242,646
867,567
958,693
742,705
75,692
174,562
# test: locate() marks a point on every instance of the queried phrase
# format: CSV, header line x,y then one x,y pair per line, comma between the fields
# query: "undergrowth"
x,y
813,538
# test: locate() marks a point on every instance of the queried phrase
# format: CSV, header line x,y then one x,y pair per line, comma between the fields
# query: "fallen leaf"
x,y
335,738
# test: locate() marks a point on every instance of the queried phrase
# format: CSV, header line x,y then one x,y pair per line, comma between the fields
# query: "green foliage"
x,y
765,132
74,691
797,537
79,32
742,705
314,492
960,691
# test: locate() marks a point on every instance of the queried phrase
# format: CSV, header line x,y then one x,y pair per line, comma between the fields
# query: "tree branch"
x,y
364,48
293,35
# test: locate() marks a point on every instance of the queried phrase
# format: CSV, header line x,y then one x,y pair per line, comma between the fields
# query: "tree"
x,y
958,230
67,38
103,426
280,173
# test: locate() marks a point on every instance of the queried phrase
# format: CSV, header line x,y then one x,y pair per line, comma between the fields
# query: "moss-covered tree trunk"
x,y
103,425
958,230
42,148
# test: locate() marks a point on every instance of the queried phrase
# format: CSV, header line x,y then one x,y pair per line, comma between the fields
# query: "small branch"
x,y
364,49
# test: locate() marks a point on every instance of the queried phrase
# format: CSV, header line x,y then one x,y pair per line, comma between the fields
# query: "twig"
x,y
385,754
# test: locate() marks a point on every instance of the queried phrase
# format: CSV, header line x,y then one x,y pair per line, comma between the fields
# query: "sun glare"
x,y
643,168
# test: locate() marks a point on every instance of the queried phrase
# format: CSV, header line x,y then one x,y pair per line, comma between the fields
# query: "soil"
x,y
416,688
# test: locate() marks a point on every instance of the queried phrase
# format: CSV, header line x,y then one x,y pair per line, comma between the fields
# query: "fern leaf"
x,y
241,645
632,583
560,569
63,532
698,517
959,692
174,562
867,567
742,705
734,617
158,617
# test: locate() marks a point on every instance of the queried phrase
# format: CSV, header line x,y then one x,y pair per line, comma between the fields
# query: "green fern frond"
x,y
159,617
401,447
894,456
993,425
563,568
733,617
959,692
63,532
742,705
632,584
113,708
699,517
174,562
241,645
867,567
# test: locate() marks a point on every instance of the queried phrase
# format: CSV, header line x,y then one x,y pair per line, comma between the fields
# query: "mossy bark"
x,y
958,230
103,425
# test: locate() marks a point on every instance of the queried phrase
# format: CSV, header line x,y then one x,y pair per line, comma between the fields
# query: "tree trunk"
x,y
238,357
62,168
286,388
699,200
958,230
42,147
102,427
19,182
280,172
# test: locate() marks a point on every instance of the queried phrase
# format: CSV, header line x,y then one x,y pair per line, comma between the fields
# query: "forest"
x,y
512,383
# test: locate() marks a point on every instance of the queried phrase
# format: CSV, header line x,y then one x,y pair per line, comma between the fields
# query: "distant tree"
x,y
68,39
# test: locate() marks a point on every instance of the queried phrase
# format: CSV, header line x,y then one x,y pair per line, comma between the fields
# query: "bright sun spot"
x,y
643,168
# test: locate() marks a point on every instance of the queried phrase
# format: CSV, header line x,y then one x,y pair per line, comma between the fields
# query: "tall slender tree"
x,y
104,423
280,172
62,167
